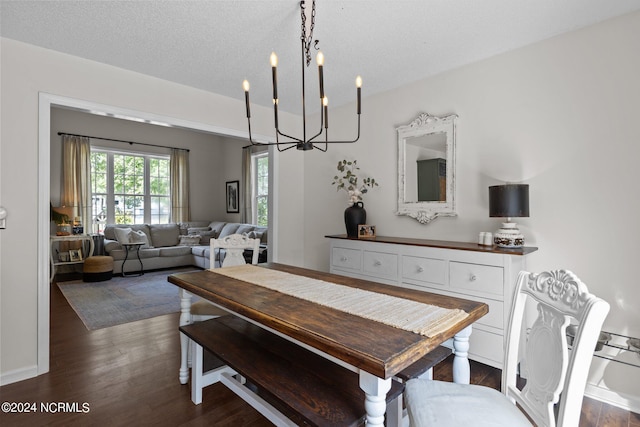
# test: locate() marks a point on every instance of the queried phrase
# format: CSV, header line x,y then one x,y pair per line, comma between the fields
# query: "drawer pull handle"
x,y
472,277
343,259
377,263
420,269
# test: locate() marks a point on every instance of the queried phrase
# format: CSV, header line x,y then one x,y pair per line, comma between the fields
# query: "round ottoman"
x,y
97,269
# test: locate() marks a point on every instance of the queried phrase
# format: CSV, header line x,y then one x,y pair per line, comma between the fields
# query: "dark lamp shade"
x,y
510,200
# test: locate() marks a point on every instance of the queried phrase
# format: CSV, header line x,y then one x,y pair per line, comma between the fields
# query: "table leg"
x,y
461,369
127,248
185,319
140,261
375,390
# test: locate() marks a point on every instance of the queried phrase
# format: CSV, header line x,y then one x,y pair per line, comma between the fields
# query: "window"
x,y
260,190
129,188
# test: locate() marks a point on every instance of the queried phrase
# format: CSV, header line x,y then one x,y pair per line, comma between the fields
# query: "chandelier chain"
x,y
307,40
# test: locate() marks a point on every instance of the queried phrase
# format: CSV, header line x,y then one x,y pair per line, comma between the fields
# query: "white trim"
x,y
18,375
45,102
43,247
603,394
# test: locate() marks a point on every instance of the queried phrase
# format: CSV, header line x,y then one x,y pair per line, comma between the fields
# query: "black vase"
x,y
353,216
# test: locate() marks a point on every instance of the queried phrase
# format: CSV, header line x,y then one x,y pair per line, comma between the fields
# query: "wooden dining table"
x,y
374,350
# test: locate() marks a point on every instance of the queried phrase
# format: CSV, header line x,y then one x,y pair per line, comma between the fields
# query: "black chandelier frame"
x,y
312,142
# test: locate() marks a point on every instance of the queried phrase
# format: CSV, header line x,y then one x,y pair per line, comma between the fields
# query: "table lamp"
x,y
509,200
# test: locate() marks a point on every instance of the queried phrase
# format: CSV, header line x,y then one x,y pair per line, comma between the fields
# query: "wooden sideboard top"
x,y
463,246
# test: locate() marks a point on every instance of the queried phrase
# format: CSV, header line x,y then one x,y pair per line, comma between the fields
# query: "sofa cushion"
x,y
175,251
111,245
229,229
200,251
163,235
217,226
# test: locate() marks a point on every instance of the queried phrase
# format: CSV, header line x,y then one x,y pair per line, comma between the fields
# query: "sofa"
x,y
175,244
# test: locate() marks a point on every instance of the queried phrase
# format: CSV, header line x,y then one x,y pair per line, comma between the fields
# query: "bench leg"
x,y
375,390
196,374
185,319
461,369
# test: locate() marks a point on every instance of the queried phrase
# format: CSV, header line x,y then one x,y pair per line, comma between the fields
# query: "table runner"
x,y
421,318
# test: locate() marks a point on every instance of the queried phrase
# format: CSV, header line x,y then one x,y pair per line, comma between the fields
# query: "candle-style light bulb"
x,y
359,95
274,77
245,86
320,61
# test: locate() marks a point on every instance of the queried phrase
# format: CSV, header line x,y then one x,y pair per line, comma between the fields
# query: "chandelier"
x,y
315,141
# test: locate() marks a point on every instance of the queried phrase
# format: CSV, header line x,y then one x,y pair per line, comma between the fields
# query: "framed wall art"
x,y
233,196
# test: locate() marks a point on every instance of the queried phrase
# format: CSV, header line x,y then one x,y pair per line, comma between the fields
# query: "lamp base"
x,y
508,236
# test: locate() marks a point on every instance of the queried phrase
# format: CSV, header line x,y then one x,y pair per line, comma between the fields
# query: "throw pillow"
x,y
122,234
139,237
254,234
190,240
206,237
197,230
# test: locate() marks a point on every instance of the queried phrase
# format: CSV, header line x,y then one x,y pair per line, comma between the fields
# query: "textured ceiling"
x,y
214,45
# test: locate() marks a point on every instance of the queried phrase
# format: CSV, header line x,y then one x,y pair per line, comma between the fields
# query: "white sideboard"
x,y
466,270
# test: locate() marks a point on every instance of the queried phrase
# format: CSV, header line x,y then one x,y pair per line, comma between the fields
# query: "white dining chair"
x,y
556,373
234,246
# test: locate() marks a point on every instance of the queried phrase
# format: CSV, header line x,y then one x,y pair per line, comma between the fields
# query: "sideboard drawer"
x,y
495,317
486,347
482,279
424,269
380,264
346,258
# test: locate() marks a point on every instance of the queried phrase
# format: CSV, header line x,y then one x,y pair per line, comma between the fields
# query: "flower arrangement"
x,y
349,181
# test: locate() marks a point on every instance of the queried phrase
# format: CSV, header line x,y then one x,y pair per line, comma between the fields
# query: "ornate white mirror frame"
x,y
426,130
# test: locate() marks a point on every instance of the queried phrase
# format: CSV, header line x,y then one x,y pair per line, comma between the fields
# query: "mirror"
x,y
426,167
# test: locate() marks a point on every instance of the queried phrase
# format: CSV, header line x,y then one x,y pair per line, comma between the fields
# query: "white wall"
x,y
560,115
28,70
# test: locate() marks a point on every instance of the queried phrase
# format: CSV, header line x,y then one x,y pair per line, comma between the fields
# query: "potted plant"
x,y
348,180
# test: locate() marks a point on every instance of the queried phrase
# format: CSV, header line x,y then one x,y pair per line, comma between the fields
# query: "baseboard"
x,y
621,400
18,375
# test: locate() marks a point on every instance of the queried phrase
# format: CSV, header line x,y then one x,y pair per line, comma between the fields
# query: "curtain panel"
x,y
76,177
179,170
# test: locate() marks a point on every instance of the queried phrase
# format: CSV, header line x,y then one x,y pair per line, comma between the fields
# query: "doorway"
x,y
46,103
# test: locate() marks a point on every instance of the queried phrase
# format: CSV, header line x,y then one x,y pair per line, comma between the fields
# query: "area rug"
x,y
123,299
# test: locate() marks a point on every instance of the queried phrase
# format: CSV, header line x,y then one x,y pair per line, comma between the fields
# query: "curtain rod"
x,y
120,140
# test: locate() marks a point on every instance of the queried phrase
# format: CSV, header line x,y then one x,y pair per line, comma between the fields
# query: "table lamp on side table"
x,y
509,200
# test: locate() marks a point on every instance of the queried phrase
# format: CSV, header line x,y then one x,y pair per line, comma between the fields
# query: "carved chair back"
x,y
554,371
234,245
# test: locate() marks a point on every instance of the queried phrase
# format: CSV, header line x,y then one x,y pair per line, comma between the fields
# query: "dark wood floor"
x,y
127,375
